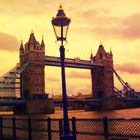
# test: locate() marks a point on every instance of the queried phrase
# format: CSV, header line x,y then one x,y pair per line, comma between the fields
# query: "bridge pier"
x,y
112,103
35,106
32,79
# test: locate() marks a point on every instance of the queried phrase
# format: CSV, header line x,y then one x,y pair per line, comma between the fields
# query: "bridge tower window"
x,y
101,57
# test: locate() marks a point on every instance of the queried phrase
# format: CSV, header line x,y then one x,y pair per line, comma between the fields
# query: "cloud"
x,y
78,75
102,24
131,28
75,88
52,79
26,7
95,13
8,42
128,67
127,28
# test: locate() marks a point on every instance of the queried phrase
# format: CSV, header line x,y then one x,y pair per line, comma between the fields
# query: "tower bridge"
x,y
29,77
32,79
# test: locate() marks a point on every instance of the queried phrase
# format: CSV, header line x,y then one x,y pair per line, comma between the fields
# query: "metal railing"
x,y
82,129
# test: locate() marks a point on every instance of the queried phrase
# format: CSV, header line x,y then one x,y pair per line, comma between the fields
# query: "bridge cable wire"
x,y
8,80
118,92
126,86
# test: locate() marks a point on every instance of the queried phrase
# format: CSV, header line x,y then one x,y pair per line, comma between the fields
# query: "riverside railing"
x,y
82,129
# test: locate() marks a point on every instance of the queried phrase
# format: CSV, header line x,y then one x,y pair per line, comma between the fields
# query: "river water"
x,y
125,113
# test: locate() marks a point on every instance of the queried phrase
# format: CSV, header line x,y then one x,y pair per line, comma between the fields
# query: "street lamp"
x,y
60,25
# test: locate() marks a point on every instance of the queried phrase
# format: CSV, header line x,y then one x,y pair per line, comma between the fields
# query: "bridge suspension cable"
x,y
9,81
117,92
128,89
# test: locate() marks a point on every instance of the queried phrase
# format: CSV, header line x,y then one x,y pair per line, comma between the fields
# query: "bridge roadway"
x,y
71,102
135,100
72,63
11,101
82,104
79,100
18,101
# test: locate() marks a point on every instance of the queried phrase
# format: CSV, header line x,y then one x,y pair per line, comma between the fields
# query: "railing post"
x,y
49,129
29,129
105,122
14,128
1,128
60,129
74,127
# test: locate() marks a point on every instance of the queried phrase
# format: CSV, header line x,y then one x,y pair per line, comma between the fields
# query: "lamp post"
x,y
60,25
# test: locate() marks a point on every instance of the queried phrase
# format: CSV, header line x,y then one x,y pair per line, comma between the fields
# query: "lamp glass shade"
x,y
61,35
60,25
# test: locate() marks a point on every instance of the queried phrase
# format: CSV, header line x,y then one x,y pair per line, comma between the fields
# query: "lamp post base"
x,y
67,137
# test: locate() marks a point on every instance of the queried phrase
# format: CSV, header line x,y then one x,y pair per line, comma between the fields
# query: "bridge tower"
x,y
102,78
32,82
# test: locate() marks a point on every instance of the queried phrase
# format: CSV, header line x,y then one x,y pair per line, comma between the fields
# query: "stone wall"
x,y
37,106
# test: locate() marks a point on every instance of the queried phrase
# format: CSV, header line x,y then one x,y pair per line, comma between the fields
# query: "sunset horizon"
x,y
114,24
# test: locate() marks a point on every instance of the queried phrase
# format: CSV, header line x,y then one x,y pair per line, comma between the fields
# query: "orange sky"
x,y
115,23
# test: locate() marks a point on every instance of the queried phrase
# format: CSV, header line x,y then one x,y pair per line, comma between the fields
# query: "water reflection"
x,y
126,113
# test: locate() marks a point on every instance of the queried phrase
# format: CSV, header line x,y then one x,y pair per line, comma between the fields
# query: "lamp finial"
x,y
60,5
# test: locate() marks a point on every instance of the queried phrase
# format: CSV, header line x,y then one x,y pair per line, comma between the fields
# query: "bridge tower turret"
x,y
102,78
42,45
91,56
21,52
33,83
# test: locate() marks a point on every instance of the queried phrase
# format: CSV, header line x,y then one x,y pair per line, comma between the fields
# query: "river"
x,y
125,113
